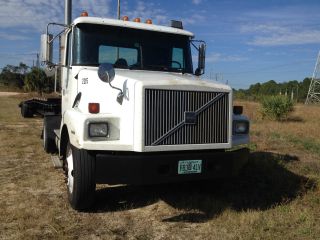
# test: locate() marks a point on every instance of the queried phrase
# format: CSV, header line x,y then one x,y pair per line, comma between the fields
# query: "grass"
x,y
275,197
4,88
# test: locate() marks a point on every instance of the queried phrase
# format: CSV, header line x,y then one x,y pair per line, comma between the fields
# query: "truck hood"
x,y
174,80
154,79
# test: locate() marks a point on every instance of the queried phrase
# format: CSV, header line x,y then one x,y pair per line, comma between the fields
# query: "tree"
x,y
257,91
36,80
269,88
11,76
22,68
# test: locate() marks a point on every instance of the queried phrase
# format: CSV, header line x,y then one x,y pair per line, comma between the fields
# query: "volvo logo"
x,y
190,118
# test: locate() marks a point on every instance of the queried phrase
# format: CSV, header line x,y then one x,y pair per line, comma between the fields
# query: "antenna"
x,y
314,88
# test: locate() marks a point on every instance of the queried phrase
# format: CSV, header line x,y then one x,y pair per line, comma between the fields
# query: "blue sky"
x,y
248,41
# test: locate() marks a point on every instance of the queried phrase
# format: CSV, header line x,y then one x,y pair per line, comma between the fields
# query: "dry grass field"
x,y
277,196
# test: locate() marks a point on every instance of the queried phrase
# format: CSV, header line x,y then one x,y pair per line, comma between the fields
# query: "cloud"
x,y
262,28
147,10
277,35
196,2
96,8
218,57
12,37
289,25
159,15
193,19
35,14
29,13
293,38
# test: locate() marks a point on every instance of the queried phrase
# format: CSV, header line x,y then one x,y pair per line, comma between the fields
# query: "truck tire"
x,y
81,182
49,144
26,111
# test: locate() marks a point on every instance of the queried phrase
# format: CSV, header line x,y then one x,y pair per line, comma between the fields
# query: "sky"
x,y
248,41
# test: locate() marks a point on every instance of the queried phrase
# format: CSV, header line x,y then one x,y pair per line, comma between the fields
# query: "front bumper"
x,y
162,167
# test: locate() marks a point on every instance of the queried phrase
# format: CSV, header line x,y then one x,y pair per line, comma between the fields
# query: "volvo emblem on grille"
x,y
190,118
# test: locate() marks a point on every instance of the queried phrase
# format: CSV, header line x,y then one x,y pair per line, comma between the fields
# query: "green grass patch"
x,y
307,144
276,107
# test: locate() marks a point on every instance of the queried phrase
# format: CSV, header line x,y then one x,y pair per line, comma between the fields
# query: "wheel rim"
x,y
70,178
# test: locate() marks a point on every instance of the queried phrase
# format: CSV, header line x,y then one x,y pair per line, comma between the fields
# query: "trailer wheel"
x,y
26,112
49,144
81,182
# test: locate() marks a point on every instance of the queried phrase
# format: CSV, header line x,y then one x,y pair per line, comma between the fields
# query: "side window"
x,y
111,54
177,58
68,49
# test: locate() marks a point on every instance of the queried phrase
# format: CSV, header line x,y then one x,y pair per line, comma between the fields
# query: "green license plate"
x,y
189,166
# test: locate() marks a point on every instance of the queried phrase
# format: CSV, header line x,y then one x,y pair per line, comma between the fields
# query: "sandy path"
x,y
6,94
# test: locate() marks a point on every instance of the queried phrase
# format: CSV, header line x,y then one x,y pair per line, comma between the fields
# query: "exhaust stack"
x,y
67,12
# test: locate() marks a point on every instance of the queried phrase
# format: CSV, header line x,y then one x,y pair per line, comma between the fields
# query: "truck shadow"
x,y
263,184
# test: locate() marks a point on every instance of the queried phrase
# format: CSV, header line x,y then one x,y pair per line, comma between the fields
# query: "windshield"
x,y
131,48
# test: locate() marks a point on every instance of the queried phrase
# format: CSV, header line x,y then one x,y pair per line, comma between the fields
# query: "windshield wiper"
x,y
135,67
157,67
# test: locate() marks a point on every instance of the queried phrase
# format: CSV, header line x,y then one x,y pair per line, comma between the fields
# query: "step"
x,y
57,163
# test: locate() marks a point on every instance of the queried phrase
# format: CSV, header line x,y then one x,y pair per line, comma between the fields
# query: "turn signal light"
x,y
94,107
137,20
84,14
125,18
148,21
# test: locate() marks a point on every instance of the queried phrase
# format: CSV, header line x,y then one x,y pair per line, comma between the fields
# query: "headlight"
x,y
98,130
240,127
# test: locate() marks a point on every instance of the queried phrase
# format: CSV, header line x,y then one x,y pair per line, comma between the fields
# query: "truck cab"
x,y
135,111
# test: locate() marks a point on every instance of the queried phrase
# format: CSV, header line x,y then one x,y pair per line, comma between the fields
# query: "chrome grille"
x,y
175,117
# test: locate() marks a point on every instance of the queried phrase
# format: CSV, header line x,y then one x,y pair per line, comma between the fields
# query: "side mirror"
x,y
201,59
106,72
46,47
50,71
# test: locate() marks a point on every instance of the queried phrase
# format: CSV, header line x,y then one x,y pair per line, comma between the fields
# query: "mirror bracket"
x,y
201,48
46,54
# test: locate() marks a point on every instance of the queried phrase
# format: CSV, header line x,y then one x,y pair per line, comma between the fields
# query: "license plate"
x,y
189,166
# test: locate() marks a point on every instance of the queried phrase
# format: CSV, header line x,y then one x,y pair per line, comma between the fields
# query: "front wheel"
x,y
80,171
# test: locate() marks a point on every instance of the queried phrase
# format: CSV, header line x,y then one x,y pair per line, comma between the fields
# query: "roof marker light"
x,y
84,14
125,18
137,20
148,21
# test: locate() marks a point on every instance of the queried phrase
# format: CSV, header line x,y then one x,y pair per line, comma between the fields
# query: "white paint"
x,y
130,24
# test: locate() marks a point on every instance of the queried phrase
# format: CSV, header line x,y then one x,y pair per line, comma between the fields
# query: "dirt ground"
x,y
7,94
275,197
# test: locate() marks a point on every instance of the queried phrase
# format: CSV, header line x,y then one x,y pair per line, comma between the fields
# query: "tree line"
x,y
29,79
23,77
294,89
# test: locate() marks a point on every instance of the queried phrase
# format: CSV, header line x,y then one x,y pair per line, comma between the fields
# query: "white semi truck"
x,y
134,111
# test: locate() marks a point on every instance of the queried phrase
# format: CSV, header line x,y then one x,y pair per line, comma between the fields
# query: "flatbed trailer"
x,y
50,110
41,107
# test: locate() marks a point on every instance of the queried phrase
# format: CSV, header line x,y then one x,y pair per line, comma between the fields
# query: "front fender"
x,y
77,124
74,121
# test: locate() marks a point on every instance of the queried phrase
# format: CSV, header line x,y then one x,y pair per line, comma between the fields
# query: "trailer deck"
x,y
41,107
